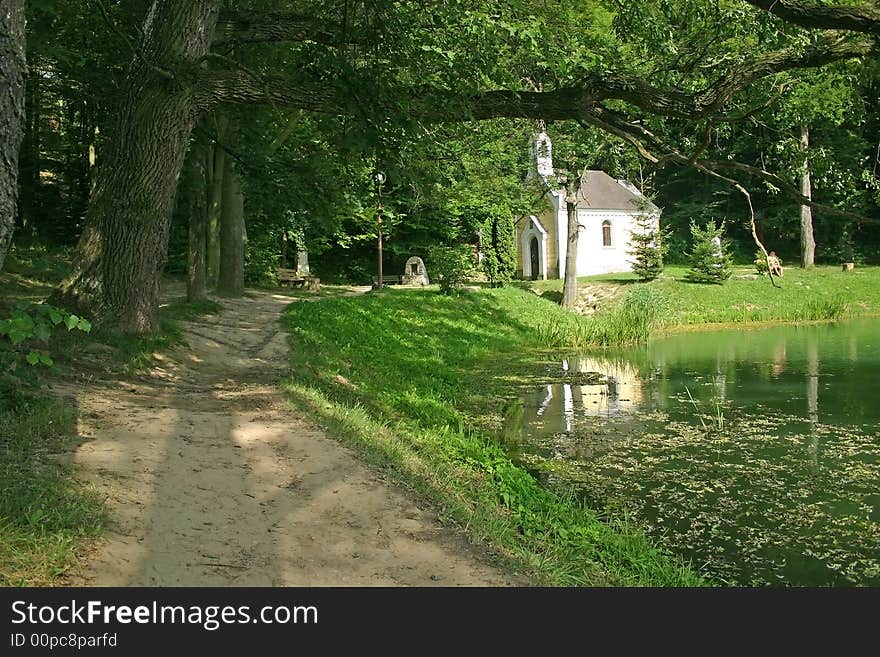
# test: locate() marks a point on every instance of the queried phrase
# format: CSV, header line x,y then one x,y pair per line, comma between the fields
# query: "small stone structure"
x,y
415,273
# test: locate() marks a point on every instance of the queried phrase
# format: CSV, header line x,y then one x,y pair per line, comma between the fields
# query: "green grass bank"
x,y
389,372
817,294
45,512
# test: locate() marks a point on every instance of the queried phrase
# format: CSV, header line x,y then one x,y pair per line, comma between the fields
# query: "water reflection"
x,y
754,452
793,370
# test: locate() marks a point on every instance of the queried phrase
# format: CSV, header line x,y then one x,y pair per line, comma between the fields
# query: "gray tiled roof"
x,y
602,192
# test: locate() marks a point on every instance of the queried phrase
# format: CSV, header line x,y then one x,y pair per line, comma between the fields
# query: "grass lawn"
x,y
816,294
805,295
386,372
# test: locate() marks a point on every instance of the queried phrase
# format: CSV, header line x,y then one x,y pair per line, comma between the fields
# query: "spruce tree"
x,y
499,255
709,260
647,248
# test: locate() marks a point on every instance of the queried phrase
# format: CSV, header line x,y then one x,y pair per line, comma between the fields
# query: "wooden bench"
x,y
293,278
388,280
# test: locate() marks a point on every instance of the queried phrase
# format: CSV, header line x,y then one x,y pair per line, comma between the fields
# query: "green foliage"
x,y
450,266
648,247
709,258
761,262
26,332
499,250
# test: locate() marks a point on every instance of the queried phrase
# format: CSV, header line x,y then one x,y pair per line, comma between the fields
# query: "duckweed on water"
x,y
747,505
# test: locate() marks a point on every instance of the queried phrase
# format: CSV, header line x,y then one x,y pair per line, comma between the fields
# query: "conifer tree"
x,y
710,262
648,248
499,256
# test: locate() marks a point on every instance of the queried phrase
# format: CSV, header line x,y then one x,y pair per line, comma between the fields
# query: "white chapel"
x,y
607,210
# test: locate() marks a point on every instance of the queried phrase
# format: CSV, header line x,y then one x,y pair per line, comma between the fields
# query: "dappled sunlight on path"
x,y
212,479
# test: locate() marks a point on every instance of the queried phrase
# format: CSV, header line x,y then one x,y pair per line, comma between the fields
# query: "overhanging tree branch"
x,y
240,27
655,149
135,50
568,102
864,17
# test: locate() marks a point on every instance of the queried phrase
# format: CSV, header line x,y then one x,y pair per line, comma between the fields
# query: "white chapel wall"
x,y
593,256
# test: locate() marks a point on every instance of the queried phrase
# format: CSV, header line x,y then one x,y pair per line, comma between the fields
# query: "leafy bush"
x,y
24,334
709,257
261,258
760,262
450,266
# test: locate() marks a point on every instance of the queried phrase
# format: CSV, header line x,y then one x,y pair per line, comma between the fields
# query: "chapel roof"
x,y
602,192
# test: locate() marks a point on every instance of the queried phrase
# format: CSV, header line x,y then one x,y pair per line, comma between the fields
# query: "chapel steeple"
x,y
543,153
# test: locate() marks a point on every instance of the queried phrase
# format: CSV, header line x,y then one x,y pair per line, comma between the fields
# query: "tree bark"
x,y
231,280
819,15
284,247
12,73
197,212
123,248
28,156
215,202
569,286
808,244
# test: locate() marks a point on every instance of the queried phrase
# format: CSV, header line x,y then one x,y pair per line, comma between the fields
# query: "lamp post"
x,y
380,180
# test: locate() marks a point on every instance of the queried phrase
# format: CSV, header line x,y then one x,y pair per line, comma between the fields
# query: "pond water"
x,y
753,453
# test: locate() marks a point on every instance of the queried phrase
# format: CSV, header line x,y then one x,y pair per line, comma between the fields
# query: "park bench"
x,y
293,278
391,279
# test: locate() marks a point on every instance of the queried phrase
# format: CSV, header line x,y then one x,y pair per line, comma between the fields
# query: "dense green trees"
x,y
346,88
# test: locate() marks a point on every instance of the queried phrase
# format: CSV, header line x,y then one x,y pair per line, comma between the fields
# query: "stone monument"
x,y
415,273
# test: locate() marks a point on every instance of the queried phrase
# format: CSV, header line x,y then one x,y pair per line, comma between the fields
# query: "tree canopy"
x,y
441,96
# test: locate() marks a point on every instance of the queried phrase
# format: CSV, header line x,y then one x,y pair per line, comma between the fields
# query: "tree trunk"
x,y
569,287
12,72
231,280
123,248
198,220
215,201
284,248
808,244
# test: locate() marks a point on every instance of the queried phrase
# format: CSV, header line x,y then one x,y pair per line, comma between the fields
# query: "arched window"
x,y
606,233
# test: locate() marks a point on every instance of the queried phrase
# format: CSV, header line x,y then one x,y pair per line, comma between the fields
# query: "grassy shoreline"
x,y
387,374
359,368
818,294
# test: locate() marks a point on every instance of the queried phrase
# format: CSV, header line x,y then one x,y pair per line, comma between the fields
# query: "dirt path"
x,y
212,480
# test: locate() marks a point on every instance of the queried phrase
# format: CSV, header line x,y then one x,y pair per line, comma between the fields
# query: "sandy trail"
x,y
212,480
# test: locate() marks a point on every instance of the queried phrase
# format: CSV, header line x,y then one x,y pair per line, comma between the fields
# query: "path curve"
x,y
212,479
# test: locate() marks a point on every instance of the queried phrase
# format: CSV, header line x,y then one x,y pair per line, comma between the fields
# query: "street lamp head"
x,y
380,177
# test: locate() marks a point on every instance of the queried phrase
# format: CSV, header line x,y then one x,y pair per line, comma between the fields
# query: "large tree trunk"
x,y
569,286
123,248
808,244
29,155
231,280
215,202
12,72
198,223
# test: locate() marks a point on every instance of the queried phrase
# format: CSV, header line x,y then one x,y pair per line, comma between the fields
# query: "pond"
x,y
755,454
